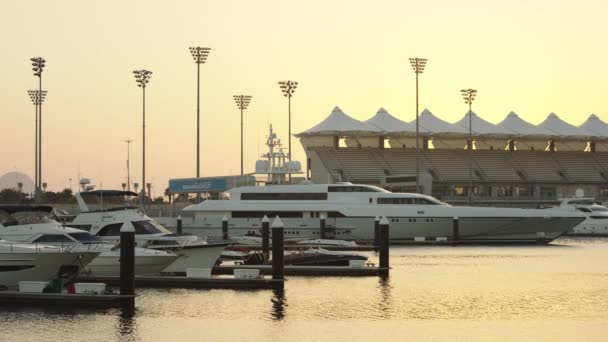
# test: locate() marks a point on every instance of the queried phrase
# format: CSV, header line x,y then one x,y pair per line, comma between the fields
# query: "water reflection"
x,y
384,302
126,329
278,304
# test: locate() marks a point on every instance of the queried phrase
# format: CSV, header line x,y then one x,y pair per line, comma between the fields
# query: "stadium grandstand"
x,y
515,163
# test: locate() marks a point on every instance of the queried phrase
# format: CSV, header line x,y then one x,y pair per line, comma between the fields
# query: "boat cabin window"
x,y
350,188
405,200
599,209
110,230
147,227
277,196
53,238
85,237
270,214
86,227
7,220
584,210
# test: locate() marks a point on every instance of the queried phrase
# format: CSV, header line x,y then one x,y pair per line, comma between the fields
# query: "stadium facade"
x,y
515,163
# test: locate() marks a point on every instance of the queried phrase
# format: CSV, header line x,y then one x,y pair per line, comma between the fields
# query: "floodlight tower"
x,y
200,56
142,78
128,141
242,102
469,95
38,64
418,65
288,88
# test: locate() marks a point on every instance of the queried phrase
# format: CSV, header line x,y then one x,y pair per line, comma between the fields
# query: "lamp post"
x,y
37,98
38,64
418,65
128,141
142,77
242,102
469,95
288,88
200,56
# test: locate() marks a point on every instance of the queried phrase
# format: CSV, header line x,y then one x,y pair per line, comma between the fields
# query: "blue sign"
x,y
196,185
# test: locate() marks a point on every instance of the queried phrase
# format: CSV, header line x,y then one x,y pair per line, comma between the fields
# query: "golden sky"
x,y
533,57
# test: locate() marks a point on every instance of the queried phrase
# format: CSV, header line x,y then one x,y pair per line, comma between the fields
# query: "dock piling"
x,y
377,232
383,235
266,236
225,228
278,262
179,225
322,230
127,262
455,230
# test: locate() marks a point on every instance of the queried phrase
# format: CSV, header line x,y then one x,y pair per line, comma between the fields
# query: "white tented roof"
x,y
390,124
429,123
521,127
560,127
481,126
338,122
596,126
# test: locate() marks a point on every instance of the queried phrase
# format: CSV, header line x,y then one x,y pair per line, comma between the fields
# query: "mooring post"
x,y
383,235
266,236
278,262
377,232
225,228
455,230
322,229
179,225
127,262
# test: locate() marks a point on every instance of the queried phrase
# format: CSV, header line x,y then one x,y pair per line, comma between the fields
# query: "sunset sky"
x,y
532,57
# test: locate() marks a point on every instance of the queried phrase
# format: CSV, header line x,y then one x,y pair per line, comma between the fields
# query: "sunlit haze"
x,y
532,57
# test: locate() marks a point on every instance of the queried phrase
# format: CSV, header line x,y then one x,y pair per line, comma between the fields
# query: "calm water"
x,y
533,293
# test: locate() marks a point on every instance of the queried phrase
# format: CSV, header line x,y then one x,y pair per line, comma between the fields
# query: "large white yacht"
x,y
31,224
37,262
350,210
596,216
105,223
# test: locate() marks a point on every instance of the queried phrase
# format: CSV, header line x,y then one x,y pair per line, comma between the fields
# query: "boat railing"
x,y
22,247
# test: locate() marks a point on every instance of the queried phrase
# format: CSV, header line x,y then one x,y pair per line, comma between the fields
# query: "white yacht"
x,y
596,216
350,210
105,223
31,224
37,262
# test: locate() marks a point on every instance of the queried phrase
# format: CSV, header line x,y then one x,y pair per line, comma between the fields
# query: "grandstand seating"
x,y
452,166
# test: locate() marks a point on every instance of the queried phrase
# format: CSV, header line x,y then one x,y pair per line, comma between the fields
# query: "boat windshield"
x,y
85,237
599,209
24,217
149,227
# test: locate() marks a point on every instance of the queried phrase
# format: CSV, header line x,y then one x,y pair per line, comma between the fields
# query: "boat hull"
x,y
109,265
197,256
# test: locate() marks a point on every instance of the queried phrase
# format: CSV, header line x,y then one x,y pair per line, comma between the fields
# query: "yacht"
x,y
37,262
31,224
596,216
350,210
105,223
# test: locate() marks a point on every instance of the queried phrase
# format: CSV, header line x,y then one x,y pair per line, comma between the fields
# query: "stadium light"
x,y
469,95
242,102
418,65
200,57
38,64
142,78
288,88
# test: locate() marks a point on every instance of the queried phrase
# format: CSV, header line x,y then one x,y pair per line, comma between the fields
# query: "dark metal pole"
x,y
40,131
241,141
36,185
384,246
470,155
417,159
143,163
322,229
198,120
225,228
377,231
455,230
289,110
127,259
266,236
179,225
278,262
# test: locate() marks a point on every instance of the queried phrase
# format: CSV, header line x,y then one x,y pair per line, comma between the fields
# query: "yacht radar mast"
x,y
276,165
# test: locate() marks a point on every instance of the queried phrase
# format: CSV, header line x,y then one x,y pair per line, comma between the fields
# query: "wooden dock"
x,y
63,299
192,283
343,271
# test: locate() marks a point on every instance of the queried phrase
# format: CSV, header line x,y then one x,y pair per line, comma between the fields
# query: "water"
x,y
526,293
